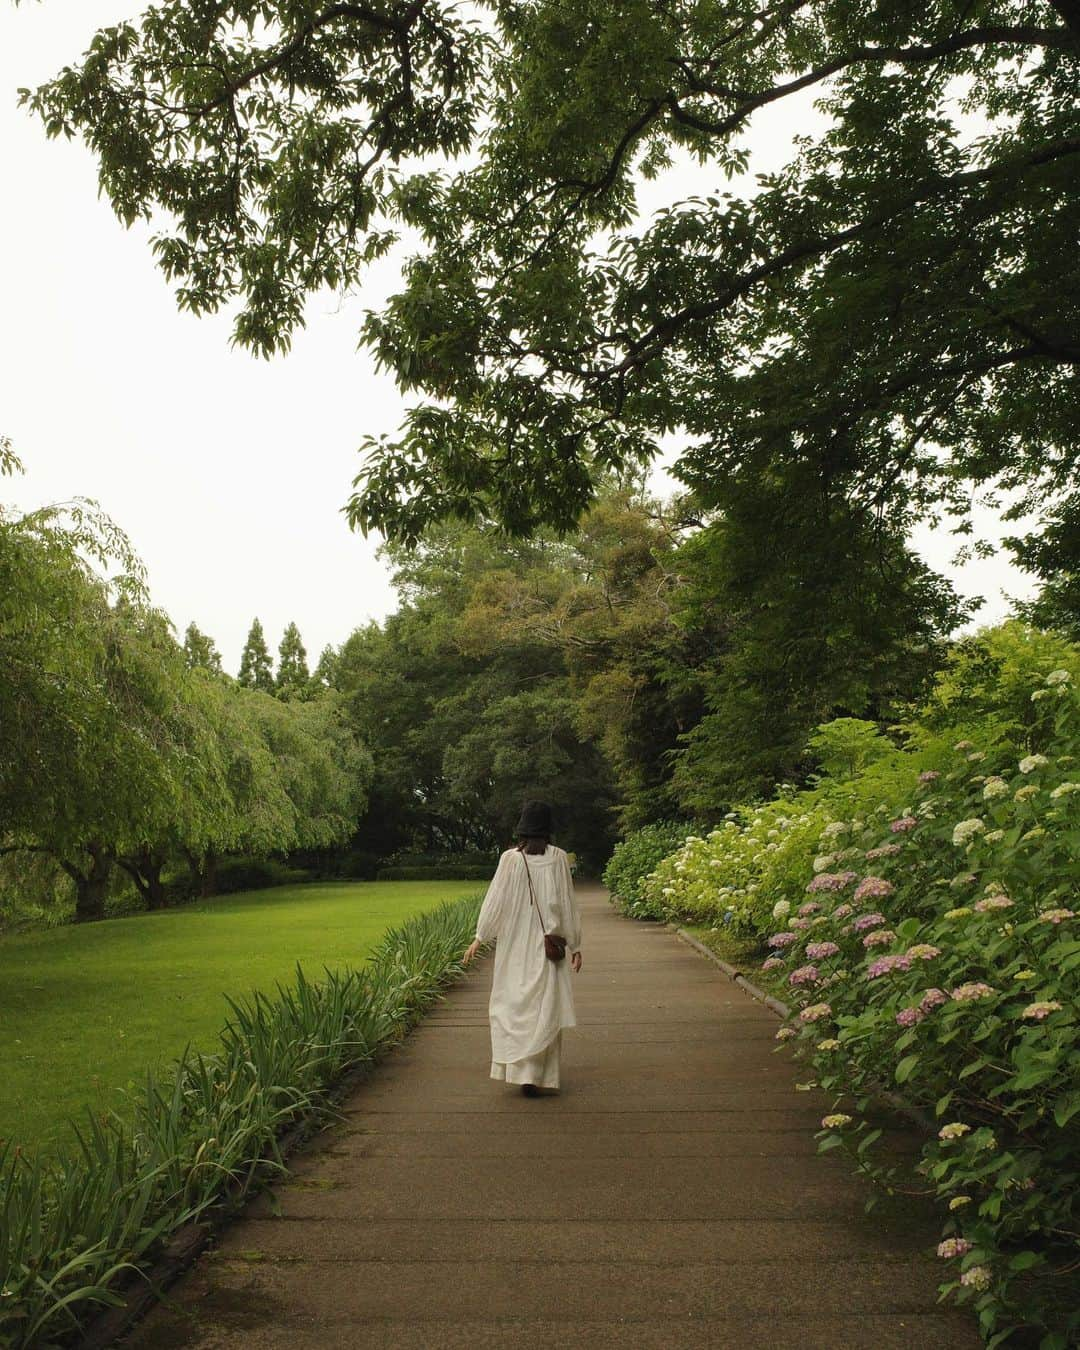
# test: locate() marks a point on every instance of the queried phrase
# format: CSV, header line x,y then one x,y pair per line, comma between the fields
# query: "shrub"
x,y
254,874
439,872
204,1134
738,871
947,961
637,856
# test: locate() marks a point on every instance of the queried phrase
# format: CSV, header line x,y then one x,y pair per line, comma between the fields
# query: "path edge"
x,y
188,1243
887,1097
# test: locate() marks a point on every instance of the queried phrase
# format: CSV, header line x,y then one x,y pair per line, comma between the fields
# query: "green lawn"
x,y
85,1010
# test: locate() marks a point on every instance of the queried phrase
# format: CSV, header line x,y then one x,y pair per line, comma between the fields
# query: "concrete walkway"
x,y
669,1197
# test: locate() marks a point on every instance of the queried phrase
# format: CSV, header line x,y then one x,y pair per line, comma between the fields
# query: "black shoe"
x,y
530,1090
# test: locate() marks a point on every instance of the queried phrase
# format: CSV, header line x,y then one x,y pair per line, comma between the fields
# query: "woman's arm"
x,y
490,916
573,916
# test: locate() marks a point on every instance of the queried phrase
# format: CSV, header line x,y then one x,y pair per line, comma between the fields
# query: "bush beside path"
x,y
669,1197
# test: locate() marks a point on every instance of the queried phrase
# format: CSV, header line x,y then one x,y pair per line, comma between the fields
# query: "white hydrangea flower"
x,y
1058,677
1065,790
966,830
1032,762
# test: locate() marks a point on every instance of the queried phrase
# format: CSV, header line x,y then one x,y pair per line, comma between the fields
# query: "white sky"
x,y
228,472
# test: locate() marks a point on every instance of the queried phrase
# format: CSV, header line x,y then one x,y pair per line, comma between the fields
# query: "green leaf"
x,y
906,1067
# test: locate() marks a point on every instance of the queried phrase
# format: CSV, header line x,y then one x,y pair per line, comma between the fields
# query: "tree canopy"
x,y
885,321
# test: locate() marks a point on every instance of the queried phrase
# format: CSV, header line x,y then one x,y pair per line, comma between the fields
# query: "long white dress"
x,y
531,997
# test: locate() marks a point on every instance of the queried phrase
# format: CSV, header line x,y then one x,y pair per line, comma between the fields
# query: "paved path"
x,y
670,1197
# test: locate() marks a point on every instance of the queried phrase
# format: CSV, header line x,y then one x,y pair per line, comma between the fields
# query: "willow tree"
x,y
889,319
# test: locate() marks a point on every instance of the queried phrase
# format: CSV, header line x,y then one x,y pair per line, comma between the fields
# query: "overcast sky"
x,y
228,472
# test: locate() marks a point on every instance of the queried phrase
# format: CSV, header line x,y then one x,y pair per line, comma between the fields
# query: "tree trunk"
x,y
144,868
91,884
203,869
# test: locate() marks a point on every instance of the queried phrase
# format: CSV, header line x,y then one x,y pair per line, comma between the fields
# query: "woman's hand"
x,y
470,951
575,961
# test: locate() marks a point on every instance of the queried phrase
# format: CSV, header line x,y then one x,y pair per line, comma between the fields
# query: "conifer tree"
x,y
256,671
293,677
326,672
200,651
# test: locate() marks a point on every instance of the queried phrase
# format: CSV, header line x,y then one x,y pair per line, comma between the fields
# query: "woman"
x,y
531,892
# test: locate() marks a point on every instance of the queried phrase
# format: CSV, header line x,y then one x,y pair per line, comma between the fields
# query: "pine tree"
x,y
325,676
256,671
199,650
293,677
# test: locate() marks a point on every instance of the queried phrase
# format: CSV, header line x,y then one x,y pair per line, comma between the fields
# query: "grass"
x,y
85,1010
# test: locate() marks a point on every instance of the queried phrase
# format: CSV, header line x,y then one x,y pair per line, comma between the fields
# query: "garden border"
x,y
188,1243
887,1098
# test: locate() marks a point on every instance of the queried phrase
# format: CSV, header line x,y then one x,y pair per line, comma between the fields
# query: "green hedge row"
x,y
203,1135
438,872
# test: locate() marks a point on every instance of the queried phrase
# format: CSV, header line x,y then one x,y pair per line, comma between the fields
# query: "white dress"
x,y
531,997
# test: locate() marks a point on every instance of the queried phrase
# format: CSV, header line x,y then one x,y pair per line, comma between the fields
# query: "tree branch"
x,y
750,102
362,13
664,330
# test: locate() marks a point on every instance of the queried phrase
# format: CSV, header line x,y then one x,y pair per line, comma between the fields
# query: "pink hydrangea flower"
x,y
804,975
1056,916
903,824
842,911
882,851
884,965
933,998
923,951
880,937
873,888
953,1247
975,989
782,940
831,881
773,963
929,776
800,924
817,951
815,1012
810,907
992,902
908,1017
1036,1012
865,921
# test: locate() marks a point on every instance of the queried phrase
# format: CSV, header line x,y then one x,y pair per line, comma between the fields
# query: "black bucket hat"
x,y
535,820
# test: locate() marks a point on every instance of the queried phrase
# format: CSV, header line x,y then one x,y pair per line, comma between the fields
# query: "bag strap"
x,y
532,897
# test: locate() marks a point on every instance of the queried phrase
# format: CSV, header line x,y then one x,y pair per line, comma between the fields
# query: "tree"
x,y
293,679
892,316
326,671
256,670
200,651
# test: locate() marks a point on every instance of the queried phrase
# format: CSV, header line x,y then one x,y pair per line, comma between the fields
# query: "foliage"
x,y
636,856
200,651
256,668
950,965
921,914
121,747
884,320
293,679
438,872
737,871
204,1134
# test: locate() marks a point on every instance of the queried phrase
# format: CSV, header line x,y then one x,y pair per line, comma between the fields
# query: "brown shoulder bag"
x,y
554,945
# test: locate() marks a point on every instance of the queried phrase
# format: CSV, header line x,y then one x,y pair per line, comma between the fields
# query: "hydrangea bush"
x,y
924,914
738,872
944,963
633,860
